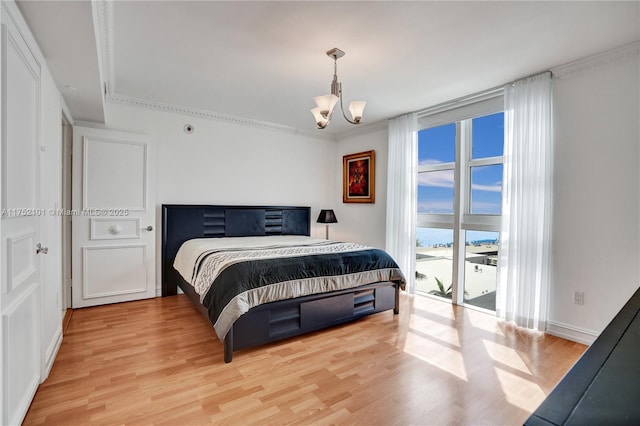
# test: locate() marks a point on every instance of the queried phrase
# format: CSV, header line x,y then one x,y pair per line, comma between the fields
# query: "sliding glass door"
x,y
459,209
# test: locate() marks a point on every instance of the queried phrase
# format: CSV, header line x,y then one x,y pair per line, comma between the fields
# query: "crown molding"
x,y
104,33
597,60
103,21
210,115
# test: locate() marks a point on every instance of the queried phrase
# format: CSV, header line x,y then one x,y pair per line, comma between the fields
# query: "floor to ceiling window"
x,y
459,204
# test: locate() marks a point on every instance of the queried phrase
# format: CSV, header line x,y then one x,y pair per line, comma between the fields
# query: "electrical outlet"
x,y
578,298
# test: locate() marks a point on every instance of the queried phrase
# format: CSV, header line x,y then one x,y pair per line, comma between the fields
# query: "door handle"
x,y
40,249
148,228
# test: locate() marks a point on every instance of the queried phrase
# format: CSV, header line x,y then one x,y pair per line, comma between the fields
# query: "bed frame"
x,y
276,320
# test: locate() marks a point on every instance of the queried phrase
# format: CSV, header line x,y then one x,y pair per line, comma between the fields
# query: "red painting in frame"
x,y
358,177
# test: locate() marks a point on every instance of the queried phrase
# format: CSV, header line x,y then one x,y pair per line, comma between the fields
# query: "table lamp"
x,y
327,217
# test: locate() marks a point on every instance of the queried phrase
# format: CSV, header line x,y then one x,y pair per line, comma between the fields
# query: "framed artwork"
x,y
358,177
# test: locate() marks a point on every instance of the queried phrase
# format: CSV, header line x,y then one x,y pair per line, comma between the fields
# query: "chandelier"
x,y
323,112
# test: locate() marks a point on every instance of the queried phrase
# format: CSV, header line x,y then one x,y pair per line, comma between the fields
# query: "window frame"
x,y
462,219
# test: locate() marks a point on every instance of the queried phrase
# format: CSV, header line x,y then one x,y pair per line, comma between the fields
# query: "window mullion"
x,y
435,167
461,197
431,220
488,161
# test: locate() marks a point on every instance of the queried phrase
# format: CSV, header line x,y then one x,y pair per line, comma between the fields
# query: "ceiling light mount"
x,y
335,53
323,112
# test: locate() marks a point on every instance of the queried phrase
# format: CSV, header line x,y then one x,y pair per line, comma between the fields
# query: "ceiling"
x,y
265,61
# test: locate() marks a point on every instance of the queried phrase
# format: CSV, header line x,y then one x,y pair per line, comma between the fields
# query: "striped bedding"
x,y
232,275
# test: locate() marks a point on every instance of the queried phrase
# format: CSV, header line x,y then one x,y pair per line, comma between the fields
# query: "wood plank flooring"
x,y
158,361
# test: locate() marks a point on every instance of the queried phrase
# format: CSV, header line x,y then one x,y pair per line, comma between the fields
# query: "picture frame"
x,y
358,177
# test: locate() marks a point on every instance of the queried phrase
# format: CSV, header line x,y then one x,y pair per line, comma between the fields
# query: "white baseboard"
x,y
51,354
20,412
569,332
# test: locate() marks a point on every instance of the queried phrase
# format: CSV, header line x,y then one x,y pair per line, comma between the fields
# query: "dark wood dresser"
x,y
603,387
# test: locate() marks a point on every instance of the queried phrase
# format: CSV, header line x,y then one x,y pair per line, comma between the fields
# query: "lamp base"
x,y
327,236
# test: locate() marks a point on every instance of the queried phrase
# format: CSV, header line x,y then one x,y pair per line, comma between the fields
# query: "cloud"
x,y
441,179
429,162
496,187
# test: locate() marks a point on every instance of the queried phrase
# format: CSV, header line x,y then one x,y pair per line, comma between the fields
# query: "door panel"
x,y
20,95
113,252
114,270
20,230
21,265
114,174
116,228
21,335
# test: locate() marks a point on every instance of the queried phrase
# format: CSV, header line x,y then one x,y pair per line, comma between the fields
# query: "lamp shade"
x,y
356,108
326,104
320,120
327,216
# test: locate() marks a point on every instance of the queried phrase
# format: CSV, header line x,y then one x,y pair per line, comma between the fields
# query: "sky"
x,y
436,189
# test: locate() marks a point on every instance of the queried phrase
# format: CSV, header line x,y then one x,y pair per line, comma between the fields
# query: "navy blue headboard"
x,y
182,222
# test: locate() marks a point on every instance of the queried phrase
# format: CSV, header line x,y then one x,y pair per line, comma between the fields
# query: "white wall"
x,y
596,199
362,223
596,247
223,163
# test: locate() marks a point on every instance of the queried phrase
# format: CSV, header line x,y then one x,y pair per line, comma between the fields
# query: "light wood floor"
x,y
158,362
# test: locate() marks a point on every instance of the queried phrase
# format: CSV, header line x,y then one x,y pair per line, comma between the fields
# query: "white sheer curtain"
x,y
402,194
525,241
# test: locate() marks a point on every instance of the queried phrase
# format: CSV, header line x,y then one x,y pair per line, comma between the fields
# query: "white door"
x,y
113,223
20,233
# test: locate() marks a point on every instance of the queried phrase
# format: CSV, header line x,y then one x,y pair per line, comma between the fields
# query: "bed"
x,y
331,282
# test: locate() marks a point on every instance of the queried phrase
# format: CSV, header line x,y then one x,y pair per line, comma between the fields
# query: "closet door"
x,y
113,223
19,226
